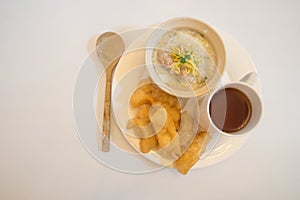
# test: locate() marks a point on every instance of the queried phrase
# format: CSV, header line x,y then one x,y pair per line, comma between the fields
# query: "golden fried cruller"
x,y
147,96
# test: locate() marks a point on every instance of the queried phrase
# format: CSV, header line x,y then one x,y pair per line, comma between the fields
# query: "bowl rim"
x,y
161,28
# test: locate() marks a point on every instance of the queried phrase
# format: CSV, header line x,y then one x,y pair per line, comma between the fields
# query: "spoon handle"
x,y
106,117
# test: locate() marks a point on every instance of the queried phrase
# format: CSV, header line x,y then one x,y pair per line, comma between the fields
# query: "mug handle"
x,y
250,78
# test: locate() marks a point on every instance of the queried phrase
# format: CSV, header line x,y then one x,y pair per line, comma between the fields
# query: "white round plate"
x,y
88,101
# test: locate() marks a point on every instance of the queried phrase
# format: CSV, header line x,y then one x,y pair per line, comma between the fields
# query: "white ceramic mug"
x,y
244,85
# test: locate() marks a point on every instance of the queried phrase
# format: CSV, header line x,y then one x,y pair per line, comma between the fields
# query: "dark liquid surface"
x,y
230,110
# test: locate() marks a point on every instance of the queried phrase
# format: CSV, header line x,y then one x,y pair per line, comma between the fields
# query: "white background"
x,y
42,46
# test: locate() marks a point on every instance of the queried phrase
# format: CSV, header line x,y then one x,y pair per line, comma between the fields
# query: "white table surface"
x,y
42,46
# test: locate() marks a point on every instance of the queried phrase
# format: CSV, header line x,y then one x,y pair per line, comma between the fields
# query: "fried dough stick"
x,y
146,96
192,154
147,144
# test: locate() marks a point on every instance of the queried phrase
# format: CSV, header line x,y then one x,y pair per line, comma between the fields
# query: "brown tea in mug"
x,y
230,110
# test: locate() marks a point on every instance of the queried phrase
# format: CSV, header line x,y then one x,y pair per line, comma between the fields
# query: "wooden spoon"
x,y
109,47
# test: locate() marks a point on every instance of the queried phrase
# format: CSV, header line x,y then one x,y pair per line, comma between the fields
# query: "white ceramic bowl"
x,y
209,33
